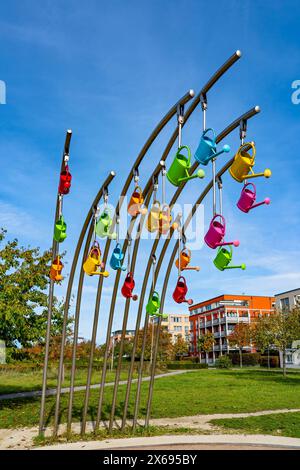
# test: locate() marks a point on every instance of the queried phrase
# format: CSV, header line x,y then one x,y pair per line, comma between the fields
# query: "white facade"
x,y
288,300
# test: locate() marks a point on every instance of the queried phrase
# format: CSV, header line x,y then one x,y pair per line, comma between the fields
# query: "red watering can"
x,y
216,232
65,181
128,287
248,197
181,291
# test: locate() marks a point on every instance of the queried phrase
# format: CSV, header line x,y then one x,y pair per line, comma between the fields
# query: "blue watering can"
x,y
207,148
117,259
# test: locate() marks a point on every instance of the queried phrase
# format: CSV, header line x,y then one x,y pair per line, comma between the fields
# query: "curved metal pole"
x,y
68,296
51,294
140,157
229,129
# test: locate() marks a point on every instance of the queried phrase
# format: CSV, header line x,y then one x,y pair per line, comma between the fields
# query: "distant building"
x,y
116,336
177,324
219,316
286,301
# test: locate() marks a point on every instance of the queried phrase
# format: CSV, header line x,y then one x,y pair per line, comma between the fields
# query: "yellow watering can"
x,y
93,264
153,217
135,204
243,163
165,219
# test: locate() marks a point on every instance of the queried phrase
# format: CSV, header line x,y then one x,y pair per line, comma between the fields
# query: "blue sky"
x,y
110,71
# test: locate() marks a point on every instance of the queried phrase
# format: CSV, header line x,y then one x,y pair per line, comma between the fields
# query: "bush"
x,y
185,365
274,361
249,359
223,362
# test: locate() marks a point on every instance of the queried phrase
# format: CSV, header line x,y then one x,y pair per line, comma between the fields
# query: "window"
x,y
285,303
177,328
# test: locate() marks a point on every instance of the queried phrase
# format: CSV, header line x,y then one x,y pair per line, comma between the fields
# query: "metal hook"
x,y
136,176
243,130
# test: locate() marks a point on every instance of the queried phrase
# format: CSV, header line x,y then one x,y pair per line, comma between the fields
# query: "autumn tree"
x,y
240,338
180,347
262,335
205,343
24,279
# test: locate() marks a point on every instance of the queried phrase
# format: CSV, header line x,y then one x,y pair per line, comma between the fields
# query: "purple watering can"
x,y
216,233
248,197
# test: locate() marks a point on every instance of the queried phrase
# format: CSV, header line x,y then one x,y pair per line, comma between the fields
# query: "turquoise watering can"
x,y
179,170
103,225
116,259
207,148
223,259
153,304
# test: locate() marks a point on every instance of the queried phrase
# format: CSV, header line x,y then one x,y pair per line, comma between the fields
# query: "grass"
x,y
196,392
12,381
279,424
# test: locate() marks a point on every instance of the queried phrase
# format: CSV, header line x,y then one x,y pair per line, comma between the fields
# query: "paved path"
x,y
52,391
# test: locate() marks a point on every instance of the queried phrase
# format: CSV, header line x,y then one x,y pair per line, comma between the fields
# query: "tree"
x,y
205,343
24,279
240,338
285,328
165,346
180,347
262,335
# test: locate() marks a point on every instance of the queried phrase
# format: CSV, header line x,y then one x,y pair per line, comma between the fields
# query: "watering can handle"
x,y
188,151
210,129
246,145
155,203
155,292
221,217
253,186
230,249
183,278
189,253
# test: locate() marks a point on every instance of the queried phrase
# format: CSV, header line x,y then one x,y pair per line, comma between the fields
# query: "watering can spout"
x,y
241,266
200,174
267,174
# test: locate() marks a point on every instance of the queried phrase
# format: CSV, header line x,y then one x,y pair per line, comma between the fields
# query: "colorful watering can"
x,y
60,230
93,264
165,219
103,225
136,202
65,181
248,197
216,232
207,148
185,259
153,304
223,259
178,171
153,217
128,287
56,269
116,259
243,163
181,291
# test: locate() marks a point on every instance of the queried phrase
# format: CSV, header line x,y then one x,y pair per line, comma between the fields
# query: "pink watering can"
x,y
216,233
248,197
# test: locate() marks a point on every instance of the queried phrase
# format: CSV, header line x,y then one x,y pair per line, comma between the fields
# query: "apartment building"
x,y
177,324
219,316
287,301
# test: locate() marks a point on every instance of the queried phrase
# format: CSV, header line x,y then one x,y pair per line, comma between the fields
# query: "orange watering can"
x,y
56,269
185,259
93,264
165,219
153,217
136,202
243,164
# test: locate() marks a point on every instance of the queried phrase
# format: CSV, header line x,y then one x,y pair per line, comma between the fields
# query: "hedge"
x,y
249,359
185,365
274,361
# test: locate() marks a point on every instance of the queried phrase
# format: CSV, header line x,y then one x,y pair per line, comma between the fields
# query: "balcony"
x,y
208,323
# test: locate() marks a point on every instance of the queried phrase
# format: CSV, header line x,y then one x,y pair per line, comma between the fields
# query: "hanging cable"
x,y
117,228
243,133
136,177
155,188
153,271
220,186
129,254
60,205
163,185
203,101
179,249
95,216
180,120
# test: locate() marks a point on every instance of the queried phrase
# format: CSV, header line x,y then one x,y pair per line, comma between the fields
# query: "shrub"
x,y
274,361
223,362
185,365
249,359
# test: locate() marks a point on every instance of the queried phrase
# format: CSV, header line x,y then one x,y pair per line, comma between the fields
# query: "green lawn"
x,y
196,392
281,424
12,381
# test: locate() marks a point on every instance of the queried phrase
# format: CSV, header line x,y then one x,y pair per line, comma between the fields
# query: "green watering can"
x,y
223,259
103,225
179,170
60,230
153,304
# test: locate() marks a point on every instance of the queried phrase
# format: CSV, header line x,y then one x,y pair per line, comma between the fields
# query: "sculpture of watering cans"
x,y
116,259
153,304
60,230
103,225
185,259
65,181
179,170
223,259
128,286
153,217
181,291
248,198
207,148
93,264
243,164
216,232
136,202
56,269
165,219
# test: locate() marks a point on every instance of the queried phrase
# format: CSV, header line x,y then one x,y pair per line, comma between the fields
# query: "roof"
x,y
287,291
